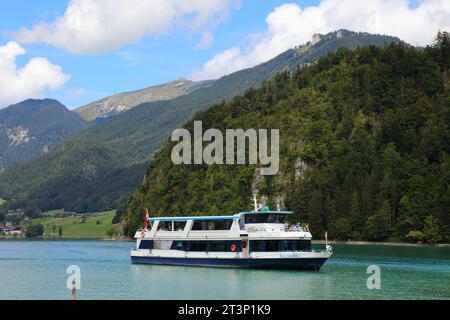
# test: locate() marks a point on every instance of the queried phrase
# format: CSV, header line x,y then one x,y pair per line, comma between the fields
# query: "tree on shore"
x,y
111,232
60,231
377,226
34,230
431,230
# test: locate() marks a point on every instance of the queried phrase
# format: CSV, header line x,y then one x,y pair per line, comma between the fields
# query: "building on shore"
x,y
12,231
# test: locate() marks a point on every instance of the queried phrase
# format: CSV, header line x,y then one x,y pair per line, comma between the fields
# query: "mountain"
x,y
129,139
322,44
33,127
364,149
137,133
115,104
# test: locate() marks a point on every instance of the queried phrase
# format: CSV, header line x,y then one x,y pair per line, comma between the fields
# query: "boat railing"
x,y
293,228
287,253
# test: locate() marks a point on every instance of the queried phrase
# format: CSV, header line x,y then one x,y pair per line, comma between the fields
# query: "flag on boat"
x,y
146,219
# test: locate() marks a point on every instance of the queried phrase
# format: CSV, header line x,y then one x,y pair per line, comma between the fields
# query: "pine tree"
x,y
431,230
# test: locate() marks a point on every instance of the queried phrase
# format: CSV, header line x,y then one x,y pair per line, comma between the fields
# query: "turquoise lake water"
x,y
37,270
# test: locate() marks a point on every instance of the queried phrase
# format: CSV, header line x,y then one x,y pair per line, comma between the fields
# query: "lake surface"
x,y
37,270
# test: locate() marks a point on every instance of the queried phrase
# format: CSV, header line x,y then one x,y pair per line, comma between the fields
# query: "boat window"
x,y
162,244
265,245
165,226
178,245
257,246
241,224
179,225
146,244
197,246
296,245
279,245
171,225
219,246
224,246
206,246
265,218
212,224
273,245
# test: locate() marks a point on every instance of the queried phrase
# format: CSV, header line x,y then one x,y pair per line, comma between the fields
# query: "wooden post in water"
x,y
74,290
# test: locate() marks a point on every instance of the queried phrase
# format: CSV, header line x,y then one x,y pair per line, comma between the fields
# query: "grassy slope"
x,y
73,228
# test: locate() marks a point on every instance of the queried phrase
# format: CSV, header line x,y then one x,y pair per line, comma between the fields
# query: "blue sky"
x,y
157,59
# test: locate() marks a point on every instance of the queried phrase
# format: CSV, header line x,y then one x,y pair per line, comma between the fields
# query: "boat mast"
x,y
255,202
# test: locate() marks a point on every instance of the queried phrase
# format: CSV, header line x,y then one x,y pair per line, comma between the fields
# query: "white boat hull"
x,y
274,260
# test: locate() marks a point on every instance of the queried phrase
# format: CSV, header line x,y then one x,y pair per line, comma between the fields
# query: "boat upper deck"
x,y
228,217
254,224
194,218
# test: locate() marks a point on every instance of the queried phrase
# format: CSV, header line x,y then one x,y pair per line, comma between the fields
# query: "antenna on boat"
x,y
255,202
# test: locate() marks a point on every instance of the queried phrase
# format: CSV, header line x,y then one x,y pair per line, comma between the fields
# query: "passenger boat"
x,y
254,239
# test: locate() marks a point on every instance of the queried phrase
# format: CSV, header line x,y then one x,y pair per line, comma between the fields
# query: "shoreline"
x,y
316,242
383,244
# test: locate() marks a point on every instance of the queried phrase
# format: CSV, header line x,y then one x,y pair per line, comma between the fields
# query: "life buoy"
x,y
143,234
233,247
244,244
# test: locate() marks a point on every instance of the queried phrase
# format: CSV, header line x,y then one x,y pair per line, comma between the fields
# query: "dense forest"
x,y
364,149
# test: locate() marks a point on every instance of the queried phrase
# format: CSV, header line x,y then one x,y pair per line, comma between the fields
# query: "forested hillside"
x,y
33,127
365,149
79,176
129,139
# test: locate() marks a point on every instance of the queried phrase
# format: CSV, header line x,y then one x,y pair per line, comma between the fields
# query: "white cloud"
x,y
134,58
17,84
223,63
290,25
97,26
78,92
206,41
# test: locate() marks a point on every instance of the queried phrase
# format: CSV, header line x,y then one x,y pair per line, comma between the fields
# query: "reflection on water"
x,y
187,282
36,270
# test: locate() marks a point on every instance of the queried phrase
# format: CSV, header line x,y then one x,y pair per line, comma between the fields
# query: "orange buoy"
x,y
233,247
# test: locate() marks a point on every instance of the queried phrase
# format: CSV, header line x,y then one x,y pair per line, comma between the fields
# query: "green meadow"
x,y
76,227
